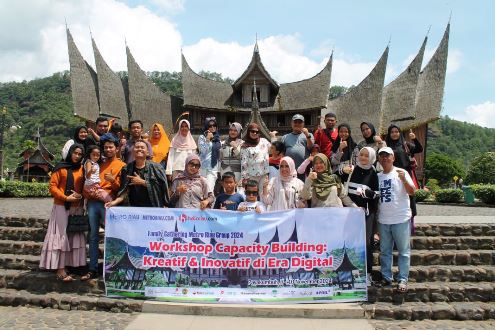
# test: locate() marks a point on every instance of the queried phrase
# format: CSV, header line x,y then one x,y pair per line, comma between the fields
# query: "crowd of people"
x,y
107,166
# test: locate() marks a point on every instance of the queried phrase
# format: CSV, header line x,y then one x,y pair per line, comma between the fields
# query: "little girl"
x,y
92,186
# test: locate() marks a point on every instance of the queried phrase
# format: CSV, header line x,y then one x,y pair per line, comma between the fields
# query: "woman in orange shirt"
x,y
159,144
61,249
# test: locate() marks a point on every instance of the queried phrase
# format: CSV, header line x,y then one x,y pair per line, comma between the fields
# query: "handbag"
x,y
77,223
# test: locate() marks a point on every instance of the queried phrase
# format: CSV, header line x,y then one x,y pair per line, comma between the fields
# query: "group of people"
x,y
105,167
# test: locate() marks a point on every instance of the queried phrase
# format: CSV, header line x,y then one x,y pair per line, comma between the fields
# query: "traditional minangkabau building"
x,y
412,100
36,164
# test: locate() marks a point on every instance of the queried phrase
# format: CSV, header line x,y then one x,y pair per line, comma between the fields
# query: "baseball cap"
x,y
298,117
387,150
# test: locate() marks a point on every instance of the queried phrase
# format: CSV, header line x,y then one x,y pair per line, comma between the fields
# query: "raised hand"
x,y
313,175
343,145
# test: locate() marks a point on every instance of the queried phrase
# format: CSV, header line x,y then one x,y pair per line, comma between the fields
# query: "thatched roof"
x,y
84,83
399,96
363,102
431,83
110,89
255,65
147,102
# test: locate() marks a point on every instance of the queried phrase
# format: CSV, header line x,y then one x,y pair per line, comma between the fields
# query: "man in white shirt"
x,y
394,218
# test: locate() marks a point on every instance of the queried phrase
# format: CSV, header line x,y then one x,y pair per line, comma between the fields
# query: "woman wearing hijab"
x,y
344,153
254,156
363,190
81,137
61,249
182,146
230,153
372,140
323,188
282,192
160,144
189,189
404,152
209,151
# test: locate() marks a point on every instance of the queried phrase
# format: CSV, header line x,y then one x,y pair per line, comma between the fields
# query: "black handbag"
x,y
77,223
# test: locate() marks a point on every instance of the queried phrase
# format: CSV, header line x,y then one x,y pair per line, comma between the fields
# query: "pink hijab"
x,y
292,168
184,142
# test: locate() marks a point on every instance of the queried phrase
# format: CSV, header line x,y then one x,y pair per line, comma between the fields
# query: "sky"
x,y
295,39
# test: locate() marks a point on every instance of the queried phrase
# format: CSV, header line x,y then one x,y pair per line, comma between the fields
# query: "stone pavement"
x,y
39,318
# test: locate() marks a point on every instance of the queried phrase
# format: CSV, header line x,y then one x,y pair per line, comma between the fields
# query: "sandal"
x,y
89,276
66,278
402,287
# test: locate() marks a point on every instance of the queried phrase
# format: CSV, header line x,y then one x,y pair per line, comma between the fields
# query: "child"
x,y
92,175
307,164
251,203
277,151
229,199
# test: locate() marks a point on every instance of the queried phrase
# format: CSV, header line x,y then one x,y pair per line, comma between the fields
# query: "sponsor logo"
x,y
184,217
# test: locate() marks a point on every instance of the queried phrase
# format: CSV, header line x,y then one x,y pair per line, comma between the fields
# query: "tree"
x,y
482,169
443,168
336,91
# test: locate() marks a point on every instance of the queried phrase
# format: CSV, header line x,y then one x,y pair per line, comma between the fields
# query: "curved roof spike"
x,y
65,19
389,40
428,32
450,16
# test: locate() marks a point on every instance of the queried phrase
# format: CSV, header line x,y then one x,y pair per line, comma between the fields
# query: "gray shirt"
x,y
296,146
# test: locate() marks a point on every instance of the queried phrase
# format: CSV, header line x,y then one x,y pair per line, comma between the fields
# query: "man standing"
x,y
110,170
298,143
144,182
136,130
101,128
394,218
327,136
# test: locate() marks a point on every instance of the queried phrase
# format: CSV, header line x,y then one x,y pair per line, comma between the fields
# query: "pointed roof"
x,y
293,237
177,239
146,100
83,82
346,264
399,96
431,83
256,118
196,240
40,156
363,101
110,90
257,67
201,92
275,238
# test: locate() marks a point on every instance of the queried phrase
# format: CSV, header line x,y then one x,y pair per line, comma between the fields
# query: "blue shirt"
x,y
231,202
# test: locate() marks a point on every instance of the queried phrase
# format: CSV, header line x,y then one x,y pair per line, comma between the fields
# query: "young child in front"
x,y
92,186
229,199
252,203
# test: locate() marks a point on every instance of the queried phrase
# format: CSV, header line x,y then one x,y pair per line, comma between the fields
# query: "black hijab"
x,y
370,139
399,148
351,145
86,142
70,166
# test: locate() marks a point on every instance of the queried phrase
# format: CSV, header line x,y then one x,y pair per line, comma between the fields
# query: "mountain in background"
x,y
46,103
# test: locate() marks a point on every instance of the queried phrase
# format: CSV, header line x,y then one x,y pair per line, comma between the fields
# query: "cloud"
x,y
481,114
39,48
170,6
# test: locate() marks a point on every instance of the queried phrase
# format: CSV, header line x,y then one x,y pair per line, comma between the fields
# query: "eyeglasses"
x,y
250,192
255,131
196,165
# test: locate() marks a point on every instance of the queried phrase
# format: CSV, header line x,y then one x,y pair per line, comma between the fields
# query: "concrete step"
x,y
45,282
436,292
24,222
446,257
22,261
28,247
27,234
414,311
65,301
466,273
450,229
453,242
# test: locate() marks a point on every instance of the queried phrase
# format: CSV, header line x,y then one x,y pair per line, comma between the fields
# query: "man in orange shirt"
x,y
110,170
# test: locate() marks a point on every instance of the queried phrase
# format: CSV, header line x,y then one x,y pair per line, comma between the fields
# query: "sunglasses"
x,y
250,192
196,165
255,131
212,125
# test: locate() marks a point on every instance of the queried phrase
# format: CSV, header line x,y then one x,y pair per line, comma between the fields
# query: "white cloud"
x,y
171,6
481,114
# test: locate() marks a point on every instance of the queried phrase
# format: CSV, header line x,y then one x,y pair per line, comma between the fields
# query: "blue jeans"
x,y
400,234
96,214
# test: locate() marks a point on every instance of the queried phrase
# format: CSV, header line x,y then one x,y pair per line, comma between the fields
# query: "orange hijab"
x,y
159,146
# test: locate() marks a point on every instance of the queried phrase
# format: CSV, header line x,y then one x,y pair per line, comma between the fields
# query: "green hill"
x,y
46,103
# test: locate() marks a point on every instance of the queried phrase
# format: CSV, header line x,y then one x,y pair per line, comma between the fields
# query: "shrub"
x,y
432,184
482,169
449,195
484,192
23,189
421,195
443,168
